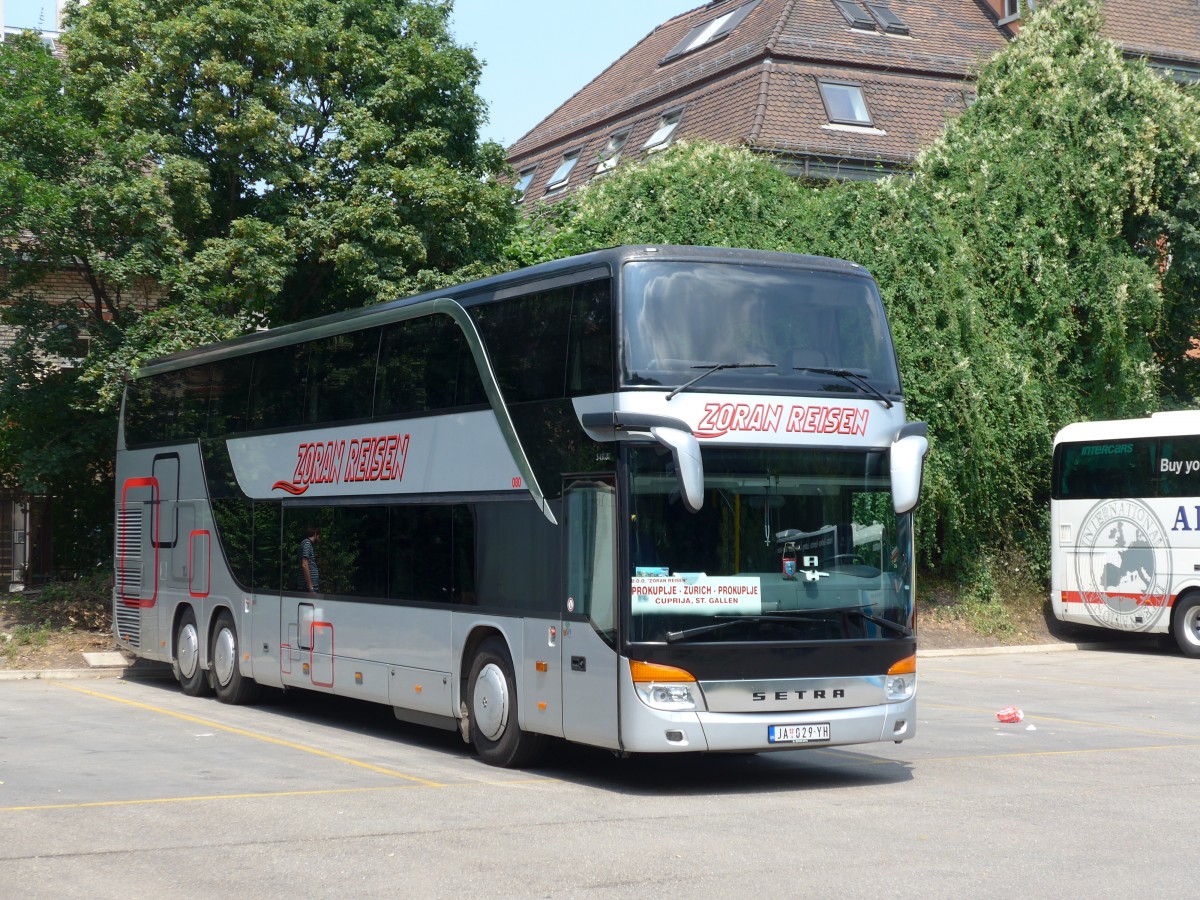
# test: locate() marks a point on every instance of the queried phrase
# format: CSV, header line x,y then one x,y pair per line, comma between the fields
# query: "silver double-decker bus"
x,y
655,499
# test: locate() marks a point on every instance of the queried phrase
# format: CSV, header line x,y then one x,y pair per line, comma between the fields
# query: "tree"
x,y
205,168
319,153
82,205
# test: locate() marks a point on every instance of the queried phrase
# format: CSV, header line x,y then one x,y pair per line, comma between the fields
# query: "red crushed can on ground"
x,y
1010,714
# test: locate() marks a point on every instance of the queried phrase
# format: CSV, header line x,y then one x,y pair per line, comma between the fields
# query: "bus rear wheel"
x,y
1185,625
492,708
231,686
192,679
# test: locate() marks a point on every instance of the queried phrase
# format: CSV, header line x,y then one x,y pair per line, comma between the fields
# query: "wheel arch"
x,y
1185,599
471,645
180,610
210,625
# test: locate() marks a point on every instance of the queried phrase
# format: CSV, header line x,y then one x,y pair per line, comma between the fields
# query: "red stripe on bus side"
x,y
1094,597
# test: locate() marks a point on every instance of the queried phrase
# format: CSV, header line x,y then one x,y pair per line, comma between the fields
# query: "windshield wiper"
x,y
790,617
903,630
853,378
708,370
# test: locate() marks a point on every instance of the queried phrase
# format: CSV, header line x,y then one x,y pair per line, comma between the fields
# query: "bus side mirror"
x,y
685,450
908,466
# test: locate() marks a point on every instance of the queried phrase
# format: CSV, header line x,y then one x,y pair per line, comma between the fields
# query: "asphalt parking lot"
x,y
112,788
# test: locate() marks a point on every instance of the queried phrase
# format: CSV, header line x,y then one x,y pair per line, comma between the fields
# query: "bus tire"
x,y
1185,625
229,683
185,661
492,707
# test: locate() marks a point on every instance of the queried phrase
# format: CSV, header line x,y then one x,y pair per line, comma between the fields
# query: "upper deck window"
x,y
680,317
710,31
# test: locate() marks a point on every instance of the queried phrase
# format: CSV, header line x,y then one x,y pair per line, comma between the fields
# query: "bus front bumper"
x,y
647,730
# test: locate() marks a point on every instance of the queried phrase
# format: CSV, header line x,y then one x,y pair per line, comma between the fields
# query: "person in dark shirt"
x,y
310,577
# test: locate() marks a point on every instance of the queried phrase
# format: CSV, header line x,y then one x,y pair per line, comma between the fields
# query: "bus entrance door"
x,y
589,656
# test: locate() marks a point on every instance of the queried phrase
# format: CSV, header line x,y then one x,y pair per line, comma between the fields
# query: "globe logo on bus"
x,y
1123,565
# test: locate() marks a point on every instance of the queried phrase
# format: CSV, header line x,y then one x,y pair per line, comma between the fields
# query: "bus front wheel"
x,y
492,707
192,679
1186,625
231,686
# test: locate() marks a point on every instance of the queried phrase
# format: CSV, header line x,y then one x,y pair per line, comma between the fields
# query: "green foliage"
x,y
204,168
318,152
1040,266
168,329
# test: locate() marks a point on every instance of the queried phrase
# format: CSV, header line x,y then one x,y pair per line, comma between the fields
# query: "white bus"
x,y
653,499
1125,526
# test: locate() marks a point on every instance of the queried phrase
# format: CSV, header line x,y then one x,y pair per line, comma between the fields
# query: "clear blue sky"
x,y
536,53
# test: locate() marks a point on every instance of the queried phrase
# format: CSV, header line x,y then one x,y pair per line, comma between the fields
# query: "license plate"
x,y
798,734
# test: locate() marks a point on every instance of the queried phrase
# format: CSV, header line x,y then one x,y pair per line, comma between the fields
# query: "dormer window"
x,y
1012,11
711,31
666,127
563,173
612,151
845,103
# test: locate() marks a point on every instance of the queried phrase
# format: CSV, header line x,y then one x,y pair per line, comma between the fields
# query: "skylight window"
x,y
666,127
612,151
889,22
524,179
845,103
713,30
855,15
563,172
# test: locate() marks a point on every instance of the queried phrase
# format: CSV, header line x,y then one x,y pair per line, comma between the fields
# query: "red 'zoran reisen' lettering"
x,y
362,459
722,418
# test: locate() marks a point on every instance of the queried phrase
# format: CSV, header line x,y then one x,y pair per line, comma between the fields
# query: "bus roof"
x,y
380,313
1162,424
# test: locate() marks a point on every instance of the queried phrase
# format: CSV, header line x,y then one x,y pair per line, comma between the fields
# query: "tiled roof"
x,y
811,30
1162,29
758,85
944,37
722,111
906,112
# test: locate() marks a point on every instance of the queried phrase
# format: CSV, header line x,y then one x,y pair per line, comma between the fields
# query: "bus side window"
x,y
590,353
277,387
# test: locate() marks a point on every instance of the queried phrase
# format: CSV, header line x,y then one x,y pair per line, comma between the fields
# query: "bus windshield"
x,y
760,328
790,545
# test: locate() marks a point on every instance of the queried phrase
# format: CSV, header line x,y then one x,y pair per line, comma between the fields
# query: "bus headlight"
x,y
665,687
901,681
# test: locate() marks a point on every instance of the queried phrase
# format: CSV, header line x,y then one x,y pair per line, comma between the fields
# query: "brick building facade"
x,y
830,88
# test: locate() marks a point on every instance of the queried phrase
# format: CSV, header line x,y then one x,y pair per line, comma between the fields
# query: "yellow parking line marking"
x,y
202,798
241,732
262,795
